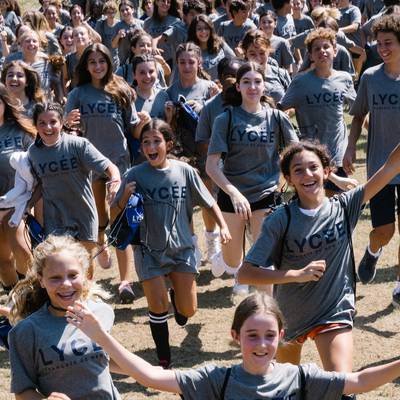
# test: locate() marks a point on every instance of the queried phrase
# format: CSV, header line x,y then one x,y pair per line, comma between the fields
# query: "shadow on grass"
x,y
363,322
4,359
219,298
385,275
112,289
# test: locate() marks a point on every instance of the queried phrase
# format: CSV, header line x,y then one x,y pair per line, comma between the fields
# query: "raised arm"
x,y
139,369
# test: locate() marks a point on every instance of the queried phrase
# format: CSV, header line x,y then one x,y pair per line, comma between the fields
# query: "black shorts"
x,y
383,206
331,186
225,203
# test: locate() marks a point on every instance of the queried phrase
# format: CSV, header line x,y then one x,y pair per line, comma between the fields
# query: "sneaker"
x,y
180,319
348,397
367,268
240,290
213,244
126,295
217,265
197,252
104,257
396,299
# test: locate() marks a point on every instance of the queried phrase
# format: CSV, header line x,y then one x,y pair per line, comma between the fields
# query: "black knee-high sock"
x,y
159,331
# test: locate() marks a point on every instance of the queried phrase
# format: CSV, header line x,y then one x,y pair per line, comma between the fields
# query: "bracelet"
x,y
111,181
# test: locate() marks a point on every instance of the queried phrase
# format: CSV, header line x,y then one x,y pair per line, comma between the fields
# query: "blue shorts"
x,y
383,206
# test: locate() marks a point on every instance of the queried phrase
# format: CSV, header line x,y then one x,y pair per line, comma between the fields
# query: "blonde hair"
x,y
28,295
323,12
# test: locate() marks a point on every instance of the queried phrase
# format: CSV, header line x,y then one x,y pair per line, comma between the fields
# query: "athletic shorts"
x,y
321,329
225,203
331,186
383,206
148,267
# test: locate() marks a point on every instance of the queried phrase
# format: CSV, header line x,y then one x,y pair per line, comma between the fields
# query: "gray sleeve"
x,y
219,135
92,159
355,15
286,54
203,129
72,100
287,129
267,246
322,384
202,383
227,50
298,40
199,193
360,106
354,201
291,97
130,116
344,40
23,371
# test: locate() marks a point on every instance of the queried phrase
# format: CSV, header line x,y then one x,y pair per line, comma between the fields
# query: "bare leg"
x,y
289,353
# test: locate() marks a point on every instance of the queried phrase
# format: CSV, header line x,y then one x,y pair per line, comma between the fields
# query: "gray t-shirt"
x,y
124,45
107,34
12,139
233,34
251,144
319,108
154,105
372,7
285,26
303,23
380,96
210,61
283,382
156,28
169,197
50,355
349,16
281,51
103,122
65,172
199,92
321,237
277,80
212,108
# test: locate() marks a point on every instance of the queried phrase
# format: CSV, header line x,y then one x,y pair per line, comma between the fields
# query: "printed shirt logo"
x,y
10,143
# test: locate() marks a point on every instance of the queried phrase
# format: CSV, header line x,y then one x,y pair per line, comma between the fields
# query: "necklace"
x,y
57,308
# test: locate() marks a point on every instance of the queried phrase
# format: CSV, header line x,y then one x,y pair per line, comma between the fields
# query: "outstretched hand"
x,y
81,317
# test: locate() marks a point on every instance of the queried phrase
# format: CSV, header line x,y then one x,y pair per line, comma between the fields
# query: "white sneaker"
x,y
213,244
197,252
217,264
240,290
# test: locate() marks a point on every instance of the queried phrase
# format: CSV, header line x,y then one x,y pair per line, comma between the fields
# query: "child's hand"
x,y
5,311
312,272
225,235
195,105
240,205
169,109
58,396
73,118
81,317
144,117
121,33
112,187
343,183
130,188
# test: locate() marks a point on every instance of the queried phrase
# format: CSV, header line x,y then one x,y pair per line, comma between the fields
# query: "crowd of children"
x,y
184,104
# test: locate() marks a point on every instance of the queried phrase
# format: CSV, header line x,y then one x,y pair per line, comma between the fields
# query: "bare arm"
x,y
371,378
139,369
240,203
216,215
114,183
350,28
350,154
250,274
32,394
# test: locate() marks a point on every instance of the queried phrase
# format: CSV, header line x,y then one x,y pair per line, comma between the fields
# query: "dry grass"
x,y
206,338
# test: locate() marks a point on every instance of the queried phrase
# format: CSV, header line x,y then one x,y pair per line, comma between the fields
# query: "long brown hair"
x,y
114,85
214,42
190,47
13,112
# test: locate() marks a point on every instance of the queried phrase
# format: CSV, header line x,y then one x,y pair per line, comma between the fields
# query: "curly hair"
x,y
387,23
320,33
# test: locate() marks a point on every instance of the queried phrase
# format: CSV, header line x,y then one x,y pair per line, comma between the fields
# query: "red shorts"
x,y
321,329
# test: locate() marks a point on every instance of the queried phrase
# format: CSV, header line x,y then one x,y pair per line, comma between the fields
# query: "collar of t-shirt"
x,y
312,212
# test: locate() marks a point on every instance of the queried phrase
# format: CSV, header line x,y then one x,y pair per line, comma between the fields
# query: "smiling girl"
x,y
170,189
46,355
309,244
250,135
103,105
64,161
257,328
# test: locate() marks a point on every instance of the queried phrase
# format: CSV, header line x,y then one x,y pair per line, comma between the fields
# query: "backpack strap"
x,y
225,384
287,210
302,383
350,240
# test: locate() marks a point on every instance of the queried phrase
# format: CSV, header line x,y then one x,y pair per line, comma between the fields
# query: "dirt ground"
x,y
206,338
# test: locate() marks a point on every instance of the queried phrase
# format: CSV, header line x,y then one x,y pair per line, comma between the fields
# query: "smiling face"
x,y
155,149
63,278
322,53
16,80
307,175
143,46
146,75
258,54
67,41
388,47
49,125
51,15
126,13
267,25
76,16
258,339
251,87
30,44
97,66
188,65
163,7
81,37
202,32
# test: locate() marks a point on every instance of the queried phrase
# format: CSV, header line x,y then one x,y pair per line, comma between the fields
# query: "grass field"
x,y
207,336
